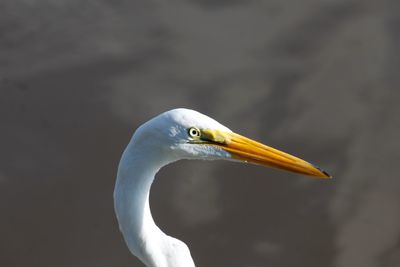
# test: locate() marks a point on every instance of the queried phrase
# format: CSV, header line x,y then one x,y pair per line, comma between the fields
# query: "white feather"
x,y
158,142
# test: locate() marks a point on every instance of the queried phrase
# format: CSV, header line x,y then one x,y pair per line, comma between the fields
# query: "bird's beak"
x,y
247,150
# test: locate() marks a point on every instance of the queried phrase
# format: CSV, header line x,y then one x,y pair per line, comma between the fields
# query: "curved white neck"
x,y
144,239
136,173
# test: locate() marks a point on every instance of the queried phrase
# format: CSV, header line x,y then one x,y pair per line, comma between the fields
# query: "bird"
x,y
171,136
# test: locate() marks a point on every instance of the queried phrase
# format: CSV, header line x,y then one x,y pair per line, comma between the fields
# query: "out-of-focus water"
x,y
318,79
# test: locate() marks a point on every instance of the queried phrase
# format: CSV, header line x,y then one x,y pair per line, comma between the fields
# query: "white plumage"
x,y
171,136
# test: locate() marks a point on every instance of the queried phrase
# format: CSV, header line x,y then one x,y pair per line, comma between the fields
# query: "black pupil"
x,y
194,132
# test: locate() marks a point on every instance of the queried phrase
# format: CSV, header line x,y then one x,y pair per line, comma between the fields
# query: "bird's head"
x,y
188,134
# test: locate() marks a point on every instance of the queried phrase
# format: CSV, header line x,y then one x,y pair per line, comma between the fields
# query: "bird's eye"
x,y
194,132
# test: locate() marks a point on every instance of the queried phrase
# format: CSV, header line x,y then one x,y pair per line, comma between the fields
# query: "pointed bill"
x,y
247,150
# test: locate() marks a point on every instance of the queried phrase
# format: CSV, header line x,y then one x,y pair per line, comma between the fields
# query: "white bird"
x,y
171,136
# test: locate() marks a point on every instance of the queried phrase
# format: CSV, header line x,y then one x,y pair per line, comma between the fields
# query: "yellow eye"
x,y
194,132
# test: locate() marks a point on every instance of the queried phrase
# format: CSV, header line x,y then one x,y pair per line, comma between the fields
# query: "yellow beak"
x,y
248,150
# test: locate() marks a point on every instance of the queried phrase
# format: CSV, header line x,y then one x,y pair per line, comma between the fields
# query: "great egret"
x,y
171,136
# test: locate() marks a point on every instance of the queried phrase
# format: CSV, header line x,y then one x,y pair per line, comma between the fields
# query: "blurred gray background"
x,y
318,79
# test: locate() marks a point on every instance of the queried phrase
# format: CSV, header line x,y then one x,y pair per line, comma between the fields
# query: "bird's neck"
x,y
136,173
